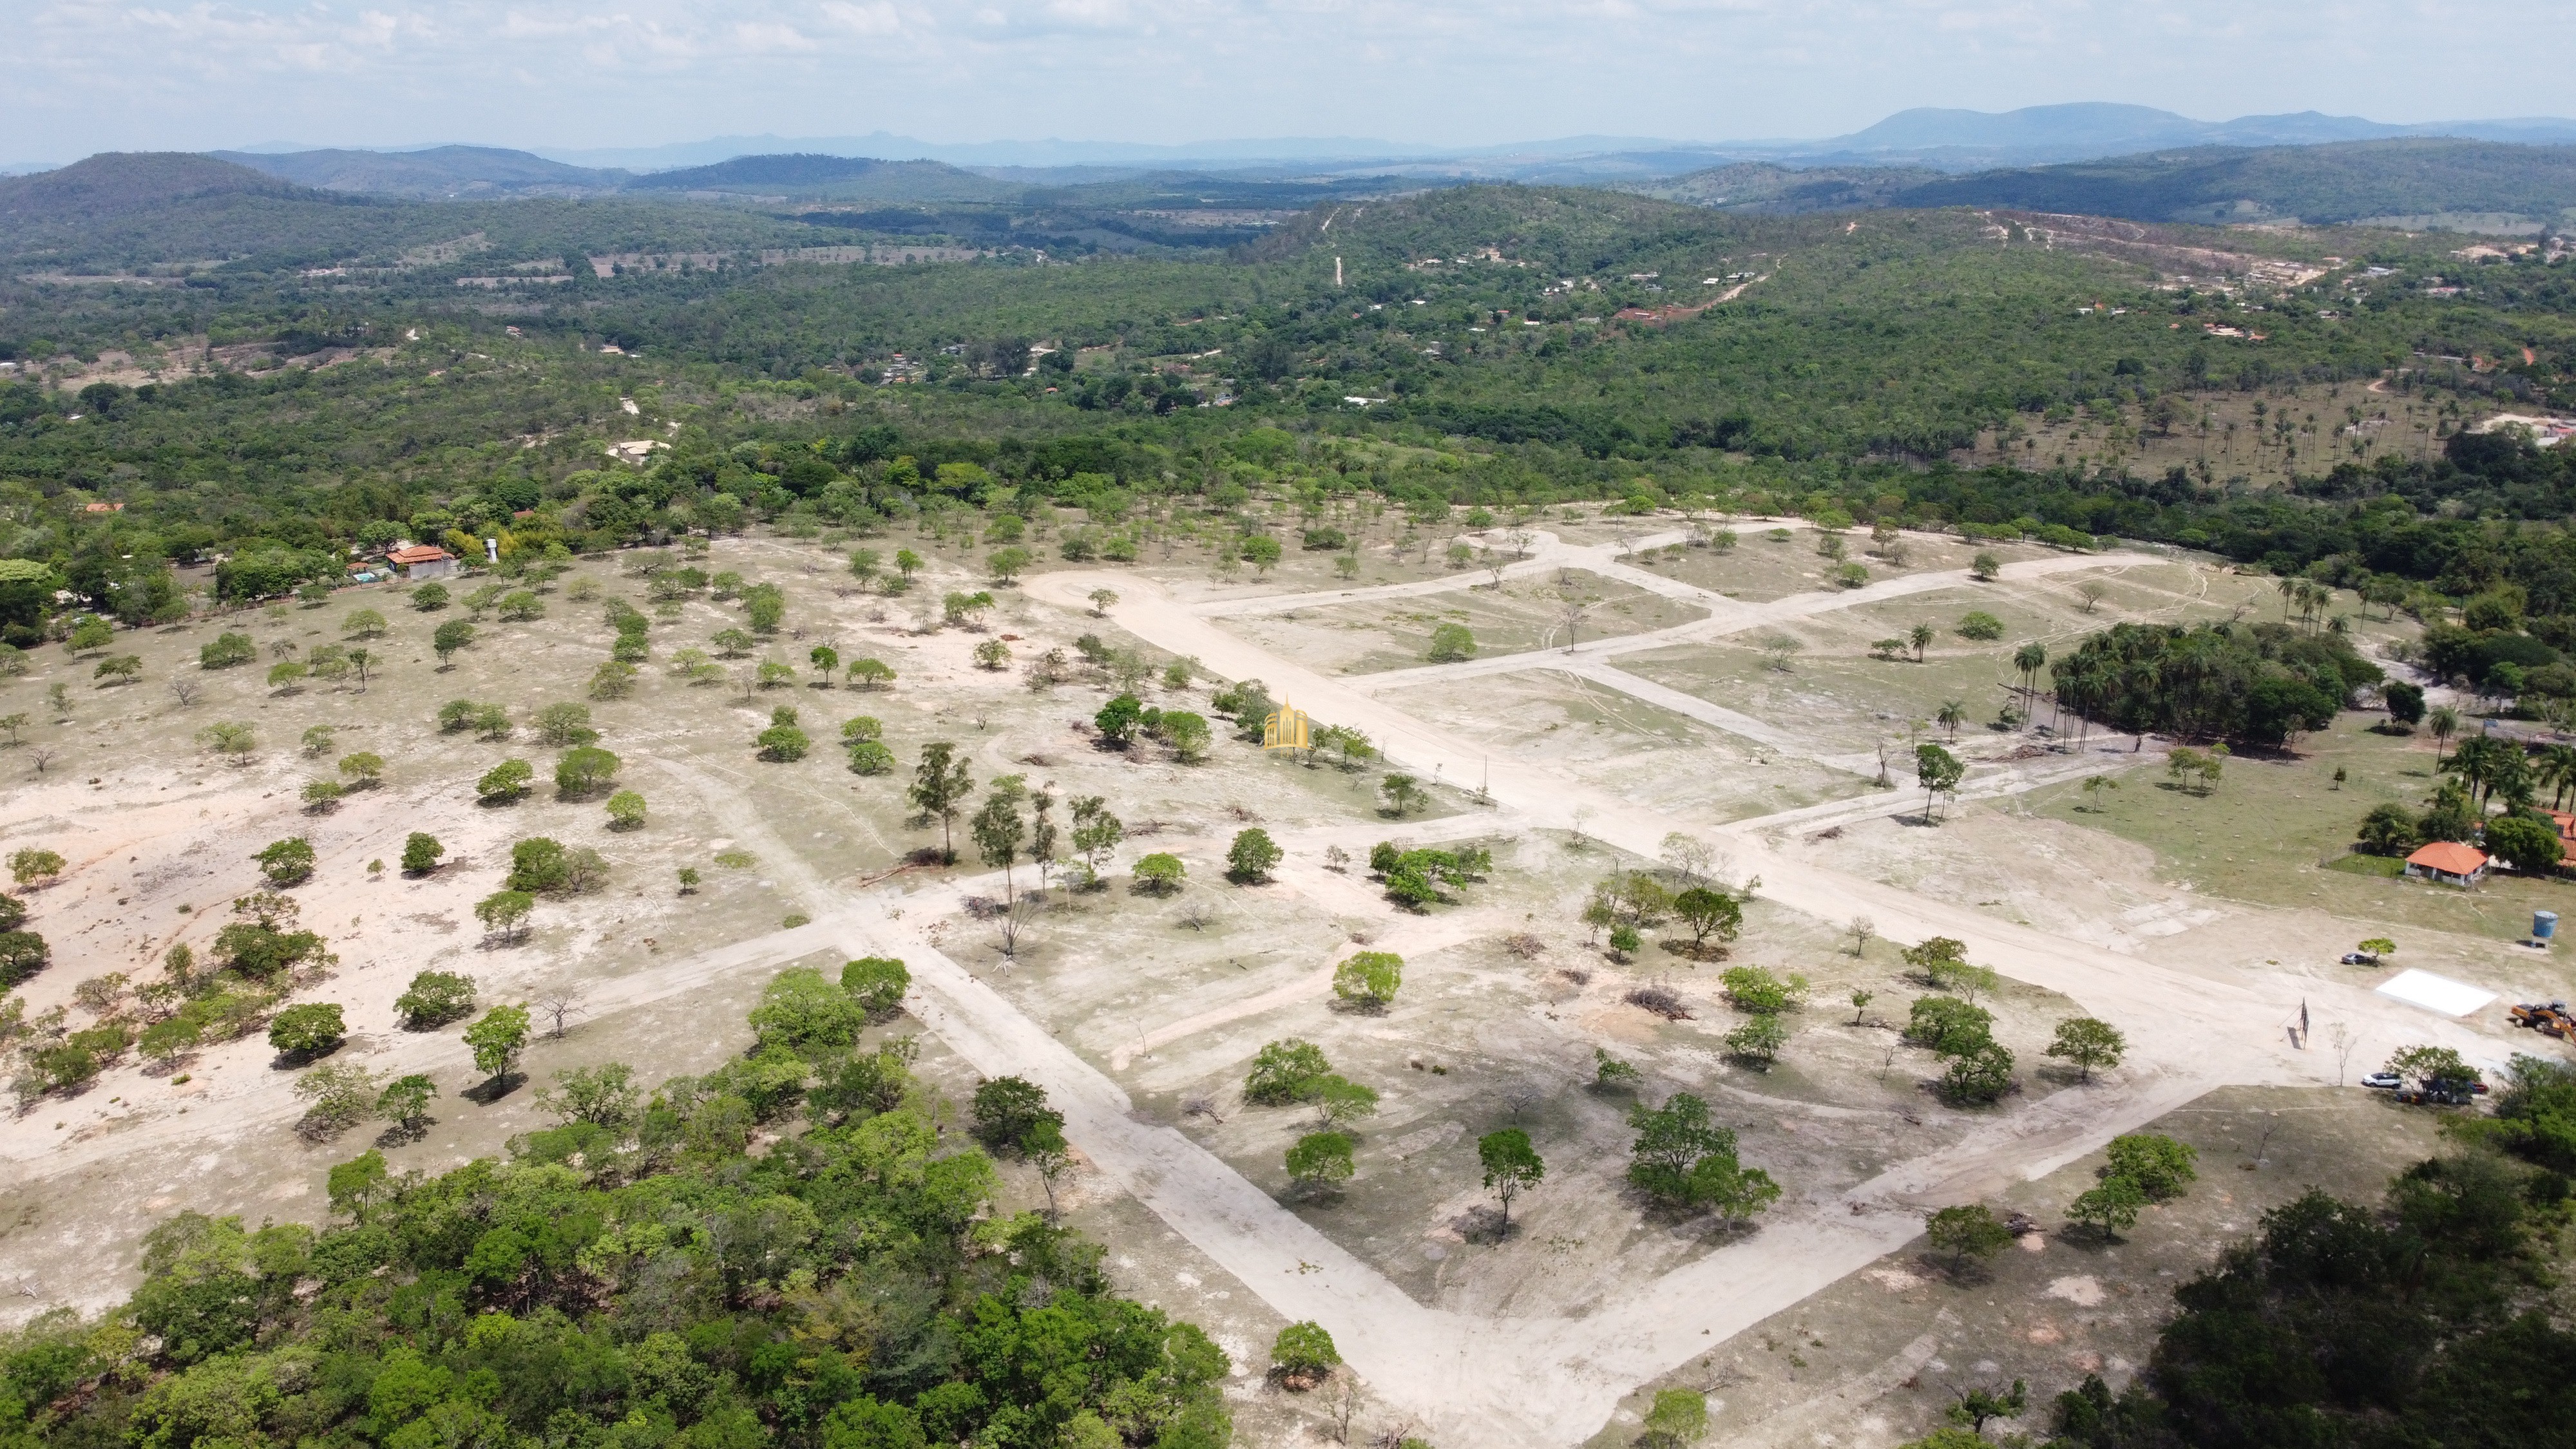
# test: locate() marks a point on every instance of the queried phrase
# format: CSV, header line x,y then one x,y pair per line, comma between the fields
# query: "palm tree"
x,y
1920,636
2444,722
2558,772
2288,588
2030,659
1952,712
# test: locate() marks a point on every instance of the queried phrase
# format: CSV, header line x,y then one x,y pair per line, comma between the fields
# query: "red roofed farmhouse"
x,y
423,561
2449,862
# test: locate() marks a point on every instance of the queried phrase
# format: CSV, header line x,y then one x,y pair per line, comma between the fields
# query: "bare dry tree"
x,y
186,691
1014,921
1343,1403
40,756
1521,1094
559,1003
1202,1107
1861,929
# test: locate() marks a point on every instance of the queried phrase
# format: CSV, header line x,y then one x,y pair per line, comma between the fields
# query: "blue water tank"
x,y
2544,925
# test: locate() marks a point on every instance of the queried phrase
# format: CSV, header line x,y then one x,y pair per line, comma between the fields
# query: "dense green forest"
x,y
1502,346
2339,182
636,1279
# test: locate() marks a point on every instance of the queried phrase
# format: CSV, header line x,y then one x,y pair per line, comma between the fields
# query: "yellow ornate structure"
x,y
1287,728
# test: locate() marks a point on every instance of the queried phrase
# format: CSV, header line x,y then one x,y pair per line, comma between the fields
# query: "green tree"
x,y
1512,1167
405,1103
1250,859
1006,1108
429,598
1981,1074
585,770
2088,1042
1319,1161
1939,773
1369,979
2110,1208
1285,1072
34,865
2159,1165
1970,1231
287,862
1708,913
307,1032
449,637
940,784
1120,719
1757,1042
1304,1350
1451,643
434,999
877,984
1159,874
1000,830
2529,846
1403,793
497,1040
420,853
563,725
364,769
504,913
1677,1417
626,811
505,782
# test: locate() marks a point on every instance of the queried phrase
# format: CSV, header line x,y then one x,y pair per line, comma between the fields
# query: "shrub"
x,y
782,743
1304,1350
1451,643
1978,624
1755,989
877,984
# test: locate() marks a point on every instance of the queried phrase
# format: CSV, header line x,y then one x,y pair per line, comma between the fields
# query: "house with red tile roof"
x,y
2449,862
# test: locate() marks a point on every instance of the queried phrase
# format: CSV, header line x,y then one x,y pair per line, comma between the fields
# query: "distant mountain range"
x,y
1938,139
2129,161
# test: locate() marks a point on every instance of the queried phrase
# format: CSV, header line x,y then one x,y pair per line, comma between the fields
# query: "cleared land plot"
x,y
1874,1359
1521,616
1620,743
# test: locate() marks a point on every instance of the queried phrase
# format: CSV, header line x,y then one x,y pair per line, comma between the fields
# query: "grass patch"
x,y
2386,867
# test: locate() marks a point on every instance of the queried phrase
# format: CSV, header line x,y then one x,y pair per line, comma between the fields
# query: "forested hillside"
x,y
1496,345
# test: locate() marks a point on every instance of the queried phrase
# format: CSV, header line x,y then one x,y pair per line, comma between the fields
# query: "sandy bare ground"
x,y
1484,1379
1521,1381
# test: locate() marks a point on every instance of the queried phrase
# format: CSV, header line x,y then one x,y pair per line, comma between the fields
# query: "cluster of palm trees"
x,y
2498,770
2308,599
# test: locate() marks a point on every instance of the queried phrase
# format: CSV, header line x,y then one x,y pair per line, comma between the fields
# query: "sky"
x,y
93,75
